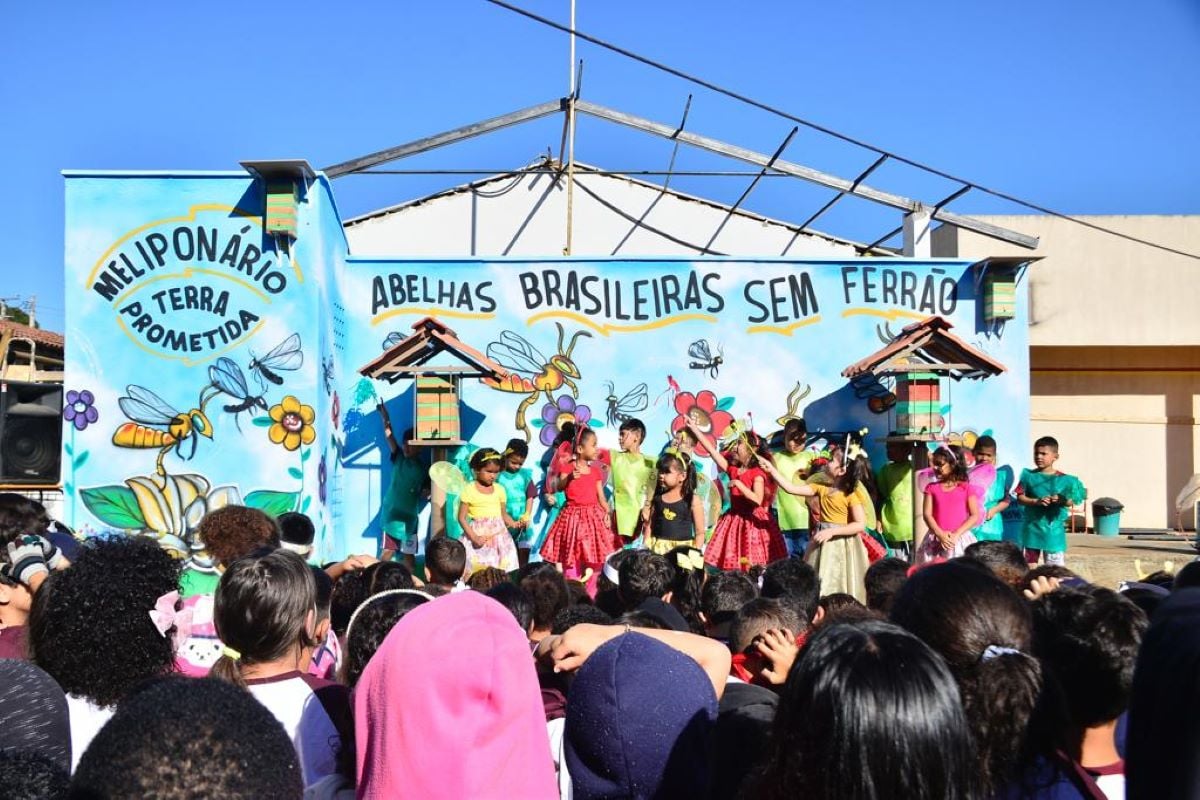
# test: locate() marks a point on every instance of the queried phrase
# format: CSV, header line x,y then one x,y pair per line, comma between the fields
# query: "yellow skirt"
x,y
664,546
841,564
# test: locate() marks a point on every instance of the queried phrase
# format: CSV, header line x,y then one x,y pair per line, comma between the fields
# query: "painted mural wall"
x,y
211,366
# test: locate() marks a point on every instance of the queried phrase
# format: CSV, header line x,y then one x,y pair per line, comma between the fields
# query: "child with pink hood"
x,y
471,724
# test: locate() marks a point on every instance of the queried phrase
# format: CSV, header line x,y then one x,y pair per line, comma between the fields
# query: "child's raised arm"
x,y
704,439
393,445
798,489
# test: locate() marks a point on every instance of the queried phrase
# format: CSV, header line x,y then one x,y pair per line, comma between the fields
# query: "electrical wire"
x,y
678,73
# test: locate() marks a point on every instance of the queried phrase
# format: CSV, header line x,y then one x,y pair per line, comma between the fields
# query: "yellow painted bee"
x,y
156,424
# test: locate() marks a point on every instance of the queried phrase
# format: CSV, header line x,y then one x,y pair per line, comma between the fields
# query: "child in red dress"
x,y
747,534
582,536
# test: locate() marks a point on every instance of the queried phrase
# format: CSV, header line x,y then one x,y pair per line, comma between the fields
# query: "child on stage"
x,y
676,512
951,507
837,551
895,482
792,510
517,481
582,535
483,514
632,479
746,534
996,493
1046,495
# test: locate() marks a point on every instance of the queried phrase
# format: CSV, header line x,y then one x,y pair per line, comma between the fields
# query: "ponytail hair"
x,y
264,606
984,631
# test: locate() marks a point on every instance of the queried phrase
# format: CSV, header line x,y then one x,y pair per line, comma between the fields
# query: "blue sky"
x,y
1086,107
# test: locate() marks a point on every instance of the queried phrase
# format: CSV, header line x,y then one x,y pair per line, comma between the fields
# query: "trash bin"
x,y
1107,513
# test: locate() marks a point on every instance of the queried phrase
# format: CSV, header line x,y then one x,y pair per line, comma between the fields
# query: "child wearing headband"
x,y
747,534
951,507
483,514
582,535
676,512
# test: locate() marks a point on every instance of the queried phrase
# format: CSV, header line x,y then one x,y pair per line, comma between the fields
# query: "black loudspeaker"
x,y
30,432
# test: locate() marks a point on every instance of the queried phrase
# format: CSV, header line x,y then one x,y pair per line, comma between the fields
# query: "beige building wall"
x,y
1114,353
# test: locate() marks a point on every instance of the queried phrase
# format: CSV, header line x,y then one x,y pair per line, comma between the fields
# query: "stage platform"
x,y
1107,560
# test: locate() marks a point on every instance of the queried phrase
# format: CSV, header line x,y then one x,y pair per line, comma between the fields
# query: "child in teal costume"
x,y
1046,495
517,481
996,496
407,490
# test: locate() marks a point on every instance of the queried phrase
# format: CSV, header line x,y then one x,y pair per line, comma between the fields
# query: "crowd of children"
x,y
645,656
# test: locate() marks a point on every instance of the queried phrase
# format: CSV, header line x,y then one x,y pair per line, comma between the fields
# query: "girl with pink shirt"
x,y
951,508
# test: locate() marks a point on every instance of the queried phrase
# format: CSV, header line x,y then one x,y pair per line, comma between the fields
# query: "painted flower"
x,y
292,423
171,508
702,411
79,409
335,410
558,414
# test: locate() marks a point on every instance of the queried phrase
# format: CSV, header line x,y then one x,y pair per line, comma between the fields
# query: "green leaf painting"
x,y
272,503
295,473
114,505
725,403
262,422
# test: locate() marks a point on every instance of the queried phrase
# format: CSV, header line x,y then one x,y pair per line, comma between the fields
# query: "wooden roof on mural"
x,y
927,346
410,357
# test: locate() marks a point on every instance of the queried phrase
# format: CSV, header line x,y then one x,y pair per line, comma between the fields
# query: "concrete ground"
x,y
1107,560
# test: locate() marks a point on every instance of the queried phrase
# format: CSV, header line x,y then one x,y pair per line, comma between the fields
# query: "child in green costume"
x,y
407,490
794,462
895,481
633,479
1046,495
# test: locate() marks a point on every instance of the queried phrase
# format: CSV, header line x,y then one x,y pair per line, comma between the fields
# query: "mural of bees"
x,y
156,424
619,409
286,356
531,373
704,359
227,377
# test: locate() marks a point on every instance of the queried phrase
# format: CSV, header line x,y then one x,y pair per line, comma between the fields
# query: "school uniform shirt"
x,y
12,642
86,719
314,712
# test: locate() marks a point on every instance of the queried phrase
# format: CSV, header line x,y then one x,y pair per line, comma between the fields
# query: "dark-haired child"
x,y
1088,638
520,490
996,492
407,490
895,487
792,511
445,562
836,551
105,625
951,508
747,534
632,479
676,513
483,514
180,738
1046,496
265,614
582,536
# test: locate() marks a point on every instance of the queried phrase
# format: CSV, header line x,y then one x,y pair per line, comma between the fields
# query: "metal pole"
x,y
571,137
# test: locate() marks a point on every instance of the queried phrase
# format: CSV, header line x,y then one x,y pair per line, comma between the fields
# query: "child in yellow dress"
x,y
484,517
